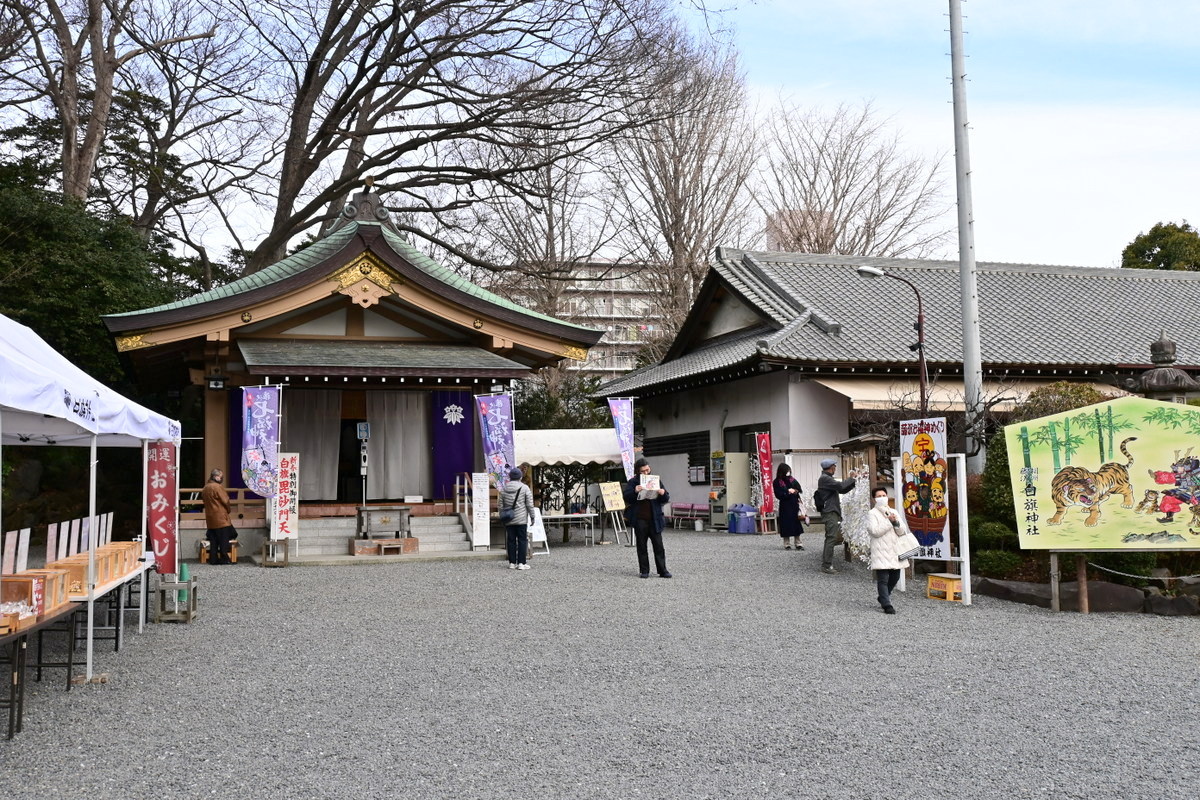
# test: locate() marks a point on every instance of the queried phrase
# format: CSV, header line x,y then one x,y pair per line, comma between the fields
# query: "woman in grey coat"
x,y
519,498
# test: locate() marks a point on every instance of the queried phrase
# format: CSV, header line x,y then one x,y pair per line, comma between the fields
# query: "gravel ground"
x,y
749,674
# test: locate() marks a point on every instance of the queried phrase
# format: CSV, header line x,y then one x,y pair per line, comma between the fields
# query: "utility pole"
x,y
972,362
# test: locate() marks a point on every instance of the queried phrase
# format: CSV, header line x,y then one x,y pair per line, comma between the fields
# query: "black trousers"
x,y
219,539
645,530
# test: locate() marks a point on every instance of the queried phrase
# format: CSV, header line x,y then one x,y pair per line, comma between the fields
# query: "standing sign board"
x,y
925,497
285,516
481,516
162,500
611,496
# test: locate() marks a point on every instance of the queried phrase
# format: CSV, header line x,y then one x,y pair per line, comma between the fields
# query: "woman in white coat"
x,y
886,526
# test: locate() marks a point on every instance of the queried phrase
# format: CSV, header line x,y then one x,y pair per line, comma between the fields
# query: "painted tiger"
x,y
1076,486
1149,504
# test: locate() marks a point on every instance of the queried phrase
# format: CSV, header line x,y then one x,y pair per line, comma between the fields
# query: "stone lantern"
x,y
1164,381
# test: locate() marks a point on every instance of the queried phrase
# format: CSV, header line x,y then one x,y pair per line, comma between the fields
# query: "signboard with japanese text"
x,y
1119,475
481,511
260,438
285,512
611,494
925,485
762,442
162,505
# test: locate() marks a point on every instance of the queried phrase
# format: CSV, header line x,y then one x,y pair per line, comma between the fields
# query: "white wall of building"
x,y
803,415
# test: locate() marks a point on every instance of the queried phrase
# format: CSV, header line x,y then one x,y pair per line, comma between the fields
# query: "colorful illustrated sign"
x,y
285,516
762,443
496,430
162,501
1120,475
260,438
622,414
926,498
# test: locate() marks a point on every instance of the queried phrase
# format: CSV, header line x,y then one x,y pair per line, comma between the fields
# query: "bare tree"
x,y
841,182
683,179
70,54
426,95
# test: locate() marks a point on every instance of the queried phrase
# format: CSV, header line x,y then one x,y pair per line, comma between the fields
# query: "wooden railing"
x,y
240,506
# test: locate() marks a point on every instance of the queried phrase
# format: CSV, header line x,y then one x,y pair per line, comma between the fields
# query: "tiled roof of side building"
x,y
1031,315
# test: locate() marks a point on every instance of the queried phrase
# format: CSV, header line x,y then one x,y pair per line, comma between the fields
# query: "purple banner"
x,y
496,430
453,440
260,438
622,414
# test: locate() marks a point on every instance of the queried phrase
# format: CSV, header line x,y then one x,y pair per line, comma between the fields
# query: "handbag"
x,y
507,514
908,546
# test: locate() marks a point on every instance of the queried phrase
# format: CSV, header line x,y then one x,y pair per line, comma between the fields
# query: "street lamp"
x,y
919,327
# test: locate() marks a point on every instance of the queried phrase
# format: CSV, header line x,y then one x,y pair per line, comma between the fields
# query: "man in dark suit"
x,y
645,517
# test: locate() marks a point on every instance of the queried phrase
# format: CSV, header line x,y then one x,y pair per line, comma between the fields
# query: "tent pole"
x,y
91,573
145,530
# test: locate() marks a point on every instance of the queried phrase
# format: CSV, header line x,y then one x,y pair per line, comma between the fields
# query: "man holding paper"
x,y
645,497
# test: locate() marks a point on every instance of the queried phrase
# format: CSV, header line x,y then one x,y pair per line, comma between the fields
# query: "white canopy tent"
x,y
46,400
566,446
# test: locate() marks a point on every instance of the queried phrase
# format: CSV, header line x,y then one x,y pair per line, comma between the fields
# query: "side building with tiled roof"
x,y
797,344
359,326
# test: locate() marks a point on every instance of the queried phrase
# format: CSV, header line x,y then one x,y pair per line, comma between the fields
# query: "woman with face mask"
x,y
788,492
886,526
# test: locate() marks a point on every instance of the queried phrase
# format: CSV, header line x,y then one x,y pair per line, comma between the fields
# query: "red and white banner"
x,y
162,505
762,443
285,519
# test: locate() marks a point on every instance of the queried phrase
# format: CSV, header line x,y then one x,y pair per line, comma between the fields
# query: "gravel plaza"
x,y
749,674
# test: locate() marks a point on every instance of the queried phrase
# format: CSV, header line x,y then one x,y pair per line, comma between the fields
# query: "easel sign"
x,y
614,503
537,533
610,494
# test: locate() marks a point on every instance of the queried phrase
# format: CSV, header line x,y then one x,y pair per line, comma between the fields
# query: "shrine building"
x,y
357,327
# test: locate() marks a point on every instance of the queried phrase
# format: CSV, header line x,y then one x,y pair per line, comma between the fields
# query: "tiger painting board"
x,y
1119,475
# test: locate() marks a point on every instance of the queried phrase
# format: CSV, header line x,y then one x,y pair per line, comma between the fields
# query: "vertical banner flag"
x,y
260,435
162,500
925,497
496,430
285,516
622,414
453,440
762,442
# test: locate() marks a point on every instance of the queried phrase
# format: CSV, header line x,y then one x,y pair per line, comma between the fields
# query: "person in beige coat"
x,y
886,526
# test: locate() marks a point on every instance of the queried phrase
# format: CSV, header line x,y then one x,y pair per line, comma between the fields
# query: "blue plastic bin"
x,y
741,518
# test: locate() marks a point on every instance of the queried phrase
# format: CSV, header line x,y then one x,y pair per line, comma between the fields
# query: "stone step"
x,y
441,536
444,547
424,523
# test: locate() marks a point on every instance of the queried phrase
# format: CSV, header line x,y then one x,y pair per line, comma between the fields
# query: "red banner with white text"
x,y
162,505
762,442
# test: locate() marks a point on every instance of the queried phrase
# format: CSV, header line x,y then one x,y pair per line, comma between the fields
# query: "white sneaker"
x,y
522,566
511,565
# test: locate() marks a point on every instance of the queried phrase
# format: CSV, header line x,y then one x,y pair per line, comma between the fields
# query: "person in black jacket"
x,y
787,491
645,518
829,503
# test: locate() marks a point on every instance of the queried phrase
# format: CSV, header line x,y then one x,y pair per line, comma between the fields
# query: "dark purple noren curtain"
x,y
453,439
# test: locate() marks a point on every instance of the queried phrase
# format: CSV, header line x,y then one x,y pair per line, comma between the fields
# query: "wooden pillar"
x,y
216,431
1055,601
1081,573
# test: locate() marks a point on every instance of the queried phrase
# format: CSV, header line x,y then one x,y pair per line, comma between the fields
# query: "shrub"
x,y
997,484
994,536
995,563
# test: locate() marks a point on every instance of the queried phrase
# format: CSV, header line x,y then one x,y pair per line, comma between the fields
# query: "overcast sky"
x,y
1085,114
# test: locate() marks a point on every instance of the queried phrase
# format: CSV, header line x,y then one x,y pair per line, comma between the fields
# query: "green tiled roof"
x,y
453,279
292,265
332,243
